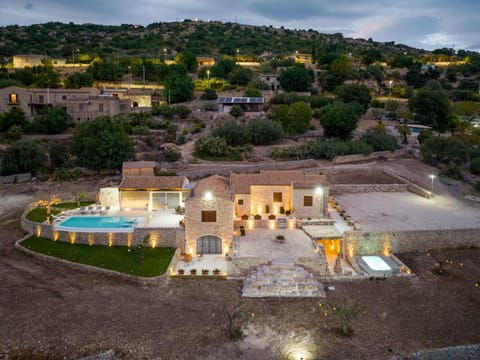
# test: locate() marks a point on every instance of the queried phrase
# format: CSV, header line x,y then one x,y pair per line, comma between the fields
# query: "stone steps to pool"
x,y
282,278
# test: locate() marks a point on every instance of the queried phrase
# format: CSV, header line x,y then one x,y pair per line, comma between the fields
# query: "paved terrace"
x,y
407,211
261,243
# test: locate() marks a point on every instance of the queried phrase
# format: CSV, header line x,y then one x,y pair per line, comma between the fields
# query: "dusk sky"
x,y
427,24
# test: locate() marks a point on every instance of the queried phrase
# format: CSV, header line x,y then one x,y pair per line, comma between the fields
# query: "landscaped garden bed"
x,y
155,261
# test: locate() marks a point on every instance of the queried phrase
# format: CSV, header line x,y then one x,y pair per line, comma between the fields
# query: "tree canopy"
x,y
102,144
339,120
178,89
354,93
22,157
431,106
297,78
51,120
187,59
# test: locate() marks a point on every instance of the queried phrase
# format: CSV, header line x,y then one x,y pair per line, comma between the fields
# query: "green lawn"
x,y
40,214
73,205
118,258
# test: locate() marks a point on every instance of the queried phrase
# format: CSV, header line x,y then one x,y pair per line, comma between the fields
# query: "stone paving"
x,y
281,279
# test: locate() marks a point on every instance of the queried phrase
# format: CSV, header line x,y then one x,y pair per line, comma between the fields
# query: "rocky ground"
x,y
54,312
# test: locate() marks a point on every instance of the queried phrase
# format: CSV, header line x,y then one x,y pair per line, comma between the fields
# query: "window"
x,y
240,202
12,98
308,201
40,99
209,216
277,197
100,107
64,97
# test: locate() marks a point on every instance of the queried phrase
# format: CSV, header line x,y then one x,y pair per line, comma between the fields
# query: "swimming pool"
x,y
97,224
378,265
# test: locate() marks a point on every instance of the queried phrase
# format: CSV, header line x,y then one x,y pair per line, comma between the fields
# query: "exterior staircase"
x,y
281,279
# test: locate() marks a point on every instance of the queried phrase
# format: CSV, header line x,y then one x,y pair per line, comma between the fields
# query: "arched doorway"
x,y
209,244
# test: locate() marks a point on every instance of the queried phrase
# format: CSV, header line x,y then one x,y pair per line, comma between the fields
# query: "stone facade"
x,y
364,243
261,197
195,228
319,206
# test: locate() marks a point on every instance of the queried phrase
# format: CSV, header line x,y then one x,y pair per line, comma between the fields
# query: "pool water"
x,y
98,224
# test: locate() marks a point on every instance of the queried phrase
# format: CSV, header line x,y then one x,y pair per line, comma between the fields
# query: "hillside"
x,y
202,38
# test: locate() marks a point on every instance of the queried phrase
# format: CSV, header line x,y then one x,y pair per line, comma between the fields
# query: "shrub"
x,y
451,170
171,154
140,130
379,141
182,111
64,174
475,166
212,146
209,94
22,157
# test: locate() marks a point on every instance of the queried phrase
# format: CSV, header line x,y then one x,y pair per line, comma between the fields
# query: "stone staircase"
x,y
281,279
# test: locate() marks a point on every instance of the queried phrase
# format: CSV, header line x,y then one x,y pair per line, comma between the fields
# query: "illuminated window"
x,y
308,201
277,197
209,216
240,202
12,98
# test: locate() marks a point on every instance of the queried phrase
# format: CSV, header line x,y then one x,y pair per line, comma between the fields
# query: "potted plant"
x,y
193,271
205,271
216,271
181,271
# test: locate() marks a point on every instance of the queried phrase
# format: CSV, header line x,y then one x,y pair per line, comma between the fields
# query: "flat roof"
x,y
240,100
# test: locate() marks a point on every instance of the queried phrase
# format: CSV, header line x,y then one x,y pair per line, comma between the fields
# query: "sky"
x,y
427,24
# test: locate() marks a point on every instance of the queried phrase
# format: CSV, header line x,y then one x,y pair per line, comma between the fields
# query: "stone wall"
x,y
159,237
17,178
362,243
366,188
244,209
373,156
261,197
242,265
319,207
199,171
195,228
315,264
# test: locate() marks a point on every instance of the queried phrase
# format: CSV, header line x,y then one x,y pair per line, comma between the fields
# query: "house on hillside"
x,y
272,80
301,58
81,104
247,103
205,61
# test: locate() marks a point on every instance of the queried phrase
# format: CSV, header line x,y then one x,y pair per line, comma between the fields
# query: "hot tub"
x,y
378,265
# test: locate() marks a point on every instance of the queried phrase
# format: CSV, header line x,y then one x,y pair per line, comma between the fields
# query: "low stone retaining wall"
x,y
17,178
93,269
315,264
373,156
367,188
159,237
364,243
198,171
242,265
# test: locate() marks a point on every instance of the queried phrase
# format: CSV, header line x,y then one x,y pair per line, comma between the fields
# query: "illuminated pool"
x,y
97,224
378,265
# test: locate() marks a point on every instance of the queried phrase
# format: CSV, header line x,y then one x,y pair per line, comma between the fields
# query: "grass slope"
x,y
118,258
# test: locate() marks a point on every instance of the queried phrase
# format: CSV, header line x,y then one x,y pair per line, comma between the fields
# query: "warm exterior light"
x,y
208,196
318,190
73,237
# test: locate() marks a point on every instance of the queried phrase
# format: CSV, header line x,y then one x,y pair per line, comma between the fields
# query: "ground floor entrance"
x,y
209,244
